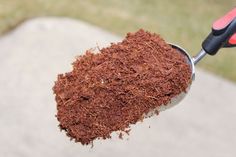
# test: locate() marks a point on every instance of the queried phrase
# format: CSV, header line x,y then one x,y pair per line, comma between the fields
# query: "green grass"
x,y
183,22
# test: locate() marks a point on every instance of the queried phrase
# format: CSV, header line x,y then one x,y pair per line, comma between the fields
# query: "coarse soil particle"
x,y
110,90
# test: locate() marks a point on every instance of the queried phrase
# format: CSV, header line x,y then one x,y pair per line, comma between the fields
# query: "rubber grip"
x,y
220,25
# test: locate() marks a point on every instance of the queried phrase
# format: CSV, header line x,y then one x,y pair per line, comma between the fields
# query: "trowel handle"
x,y
223,34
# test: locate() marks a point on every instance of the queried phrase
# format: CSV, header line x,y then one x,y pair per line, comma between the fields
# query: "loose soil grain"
x,y
110,90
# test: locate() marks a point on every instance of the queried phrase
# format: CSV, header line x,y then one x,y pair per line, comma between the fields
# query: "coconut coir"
x,y
110,90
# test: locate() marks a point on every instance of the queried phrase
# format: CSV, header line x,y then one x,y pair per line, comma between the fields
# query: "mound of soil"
x,y
110,90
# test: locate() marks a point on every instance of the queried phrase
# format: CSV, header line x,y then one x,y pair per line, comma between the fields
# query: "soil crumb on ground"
x,y
110,90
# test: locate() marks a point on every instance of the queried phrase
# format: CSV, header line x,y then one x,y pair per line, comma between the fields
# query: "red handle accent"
x,y
225,20
232,40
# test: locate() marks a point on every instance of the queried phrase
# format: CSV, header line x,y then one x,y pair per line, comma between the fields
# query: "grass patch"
x,y
183,22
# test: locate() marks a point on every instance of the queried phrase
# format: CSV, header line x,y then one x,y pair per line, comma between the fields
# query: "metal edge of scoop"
x,y
174,101
190,60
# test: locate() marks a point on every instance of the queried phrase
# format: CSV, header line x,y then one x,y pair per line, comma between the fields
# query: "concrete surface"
x,y
32,55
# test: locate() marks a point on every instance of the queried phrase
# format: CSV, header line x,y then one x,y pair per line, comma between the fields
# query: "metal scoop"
x,y
223,35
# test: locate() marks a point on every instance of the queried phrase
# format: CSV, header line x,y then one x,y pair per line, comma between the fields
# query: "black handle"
x,y
223,34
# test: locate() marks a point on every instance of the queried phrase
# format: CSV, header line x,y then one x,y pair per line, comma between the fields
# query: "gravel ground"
x,y
34,53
